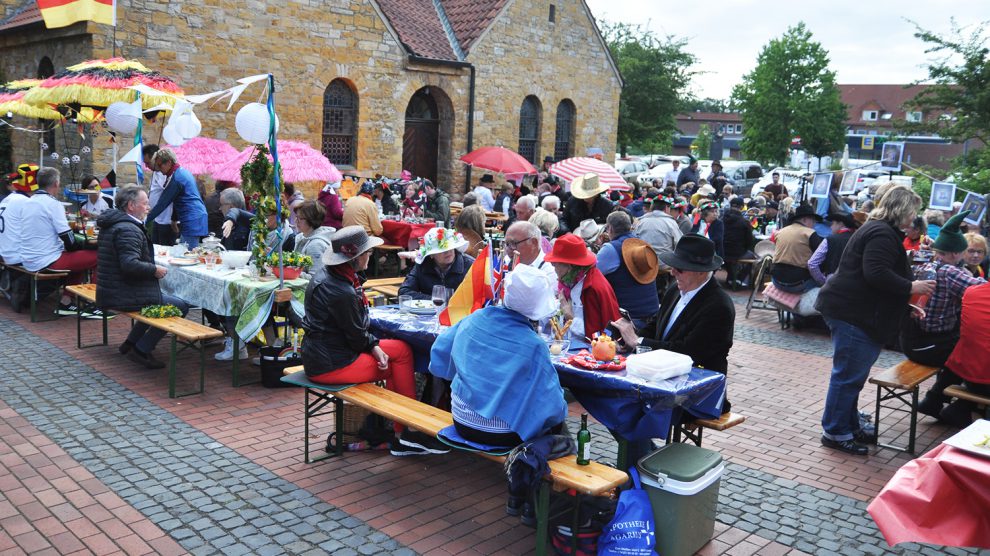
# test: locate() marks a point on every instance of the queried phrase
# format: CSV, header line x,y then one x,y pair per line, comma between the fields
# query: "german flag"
x,y
61,13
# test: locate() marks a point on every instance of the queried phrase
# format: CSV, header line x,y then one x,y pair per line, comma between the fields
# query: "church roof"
x,y
440,29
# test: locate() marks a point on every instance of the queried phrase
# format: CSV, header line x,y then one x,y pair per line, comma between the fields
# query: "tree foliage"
x,y
956,104
791,92
656,71
708,104
702,144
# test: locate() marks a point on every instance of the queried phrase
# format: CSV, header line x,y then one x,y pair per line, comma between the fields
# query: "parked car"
x,y
631,169
742,175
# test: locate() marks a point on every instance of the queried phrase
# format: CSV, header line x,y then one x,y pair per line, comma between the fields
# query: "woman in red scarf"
x,y
585,294
339,348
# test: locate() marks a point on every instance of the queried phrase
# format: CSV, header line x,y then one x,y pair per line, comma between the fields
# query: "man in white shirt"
x,y
47,241
670,178
162,233
11,216
484,194
522,239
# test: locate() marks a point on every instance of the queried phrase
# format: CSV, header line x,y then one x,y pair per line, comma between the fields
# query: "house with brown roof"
x,y
378,85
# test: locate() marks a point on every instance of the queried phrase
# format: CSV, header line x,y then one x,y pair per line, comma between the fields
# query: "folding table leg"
x,y
543,518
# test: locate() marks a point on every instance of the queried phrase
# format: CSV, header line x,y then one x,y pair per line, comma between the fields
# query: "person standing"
x,y
164,230
689,174
330,198
182,194
586,201
775,188
128,273
863,304
670,178
484,194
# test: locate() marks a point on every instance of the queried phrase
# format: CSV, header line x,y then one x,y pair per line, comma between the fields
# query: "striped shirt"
x,y
467,416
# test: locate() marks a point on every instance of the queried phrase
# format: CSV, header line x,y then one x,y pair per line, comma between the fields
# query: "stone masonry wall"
x,y
524,54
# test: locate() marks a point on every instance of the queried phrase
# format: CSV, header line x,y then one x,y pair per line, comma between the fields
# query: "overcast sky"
x,y
868,42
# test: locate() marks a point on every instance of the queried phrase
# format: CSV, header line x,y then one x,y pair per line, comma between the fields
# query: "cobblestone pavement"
x,y
220,472
207,497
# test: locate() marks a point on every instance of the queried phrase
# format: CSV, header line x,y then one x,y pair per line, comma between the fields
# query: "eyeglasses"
x,y
509,244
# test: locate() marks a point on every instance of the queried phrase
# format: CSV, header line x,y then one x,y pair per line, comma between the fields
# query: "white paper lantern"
x,y
120,118
253,122
172,136
188,125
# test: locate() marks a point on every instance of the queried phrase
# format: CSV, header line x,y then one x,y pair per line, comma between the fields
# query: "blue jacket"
x,y
500,367
190,209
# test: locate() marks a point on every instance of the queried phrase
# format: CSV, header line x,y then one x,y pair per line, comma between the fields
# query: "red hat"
x,y
570,249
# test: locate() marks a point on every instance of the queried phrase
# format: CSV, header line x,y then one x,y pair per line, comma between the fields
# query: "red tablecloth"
x,y
942,498
404,234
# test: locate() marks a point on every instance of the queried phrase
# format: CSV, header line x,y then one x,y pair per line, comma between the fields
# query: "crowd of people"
x,y
639,265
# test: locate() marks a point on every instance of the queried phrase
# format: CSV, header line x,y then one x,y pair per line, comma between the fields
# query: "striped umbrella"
x,y
12,101
580,165
100,83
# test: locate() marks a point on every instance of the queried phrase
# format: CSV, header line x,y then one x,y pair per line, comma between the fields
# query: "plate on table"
x,y
182,262
974,439
420,306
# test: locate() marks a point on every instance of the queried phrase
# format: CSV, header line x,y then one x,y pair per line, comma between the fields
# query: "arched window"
x,y
563,145
47,69
529,129
340,119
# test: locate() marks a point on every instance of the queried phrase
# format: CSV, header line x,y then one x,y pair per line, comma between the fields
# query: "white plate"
x,y
421,307
967,438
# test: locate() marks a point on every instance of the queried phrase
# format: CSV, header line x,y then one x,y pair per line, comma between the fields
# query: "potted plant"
x,y
293,264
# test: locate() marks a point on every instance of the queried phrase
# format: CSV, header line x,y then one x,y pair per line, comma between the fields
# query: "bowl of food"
x,y
236,259
559,347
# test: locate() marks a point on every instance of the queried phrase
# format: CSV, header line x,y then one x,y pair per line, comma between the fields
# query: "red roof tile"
x,y
711,116
888,99
470,18
27,14
419,28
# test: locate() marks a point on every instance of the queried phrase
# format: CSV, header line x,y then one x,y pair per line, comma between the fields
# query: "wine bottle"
x,y
584,442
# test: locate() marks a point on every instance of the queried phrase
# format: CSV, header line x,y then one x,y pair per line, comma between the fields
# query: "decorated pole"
x,y
273,147
137,142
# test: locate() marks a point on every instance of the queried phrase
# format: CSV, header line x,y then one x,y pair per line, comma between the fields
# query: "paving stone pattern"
x,y
207,497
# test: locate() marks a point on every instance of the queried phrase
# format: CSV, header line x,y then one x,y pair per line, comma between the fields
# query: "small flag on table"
x,y
474,292
62,13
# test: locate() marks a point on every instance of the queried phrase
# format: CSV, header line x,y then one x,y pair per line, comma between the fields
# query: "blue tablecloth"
x,y
629,406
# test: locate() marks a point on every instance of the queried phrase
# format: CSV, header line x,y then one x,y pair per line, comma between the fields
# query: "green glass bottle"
x,y
584,442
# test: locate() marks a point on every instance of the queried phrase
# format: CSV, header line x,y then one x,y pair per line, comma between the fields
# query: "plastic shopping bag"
x,y
632,531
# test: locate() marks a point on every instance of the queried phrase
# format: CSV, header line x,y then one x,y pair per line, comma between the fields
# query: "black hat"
x,y
487,178
773,205
694,253
548,158
736,202
719,162
804,209
845,218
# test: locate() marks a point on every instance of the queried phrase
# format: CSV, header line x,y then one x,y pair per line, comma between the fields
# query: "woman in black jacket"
x,y
128,273
863,303
440,261
339,348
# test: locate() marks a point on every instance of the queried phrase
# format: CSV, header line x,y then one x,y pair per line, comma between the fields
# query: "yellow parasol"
x,y
100,83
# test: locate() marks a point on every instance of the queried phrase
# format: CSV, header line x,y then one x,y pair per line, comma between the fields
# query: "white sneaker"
x,y
228,350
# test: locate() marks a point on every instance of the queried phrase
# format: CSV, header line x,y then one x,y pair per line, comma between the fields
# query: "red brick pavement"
x,y
451,504
50,504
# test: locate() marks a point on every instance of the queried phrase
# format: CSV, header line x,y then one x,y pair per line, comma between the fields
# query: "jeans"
x,y
854,353
799,287
144,337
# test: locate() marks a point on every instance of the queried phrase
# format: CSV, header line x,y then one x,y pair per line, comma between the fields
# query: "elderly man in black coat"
x,y
128,273
696,317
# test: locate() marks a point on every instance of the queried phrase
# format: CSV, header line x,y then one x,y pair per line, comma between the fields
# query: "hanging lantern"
x,y
253,123
120,117
188,125
172,136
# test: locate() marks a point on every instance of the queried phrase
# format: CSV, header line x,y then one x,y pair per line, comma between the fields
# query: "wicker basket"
x,y
354,417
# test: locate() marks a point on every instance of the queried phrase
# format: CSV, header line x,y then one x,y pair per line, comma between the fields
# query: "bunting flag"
x,y
62,13
474,292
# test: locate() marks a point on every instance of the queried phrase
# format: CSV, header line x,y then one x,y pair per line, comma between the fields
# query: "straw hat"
x,y
349,243
706,190
439,240
587,186
641,260
588,229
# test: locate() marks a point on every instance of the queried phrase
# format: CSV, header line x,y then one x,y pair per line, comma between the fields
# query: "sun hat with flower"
x,y
439,240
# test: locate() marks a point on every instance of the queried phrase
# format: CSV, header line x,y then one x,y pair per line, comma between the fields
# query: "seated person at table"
x,y
338,347
440,261
968,361
412,206
504,388
522,240
236,228
584,293
361,211
976,255
930,339
313,237
47,241
795,244
470,223
437,203
696,316
630,266
128,273
383,195
95,202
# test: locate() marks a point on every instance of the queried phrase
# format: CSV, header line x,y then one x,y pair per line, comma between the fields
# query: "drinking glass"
x,y
404,304
439,299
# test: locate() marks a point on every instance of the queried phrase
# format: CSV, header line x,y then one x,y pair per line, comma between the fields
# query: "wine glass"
x,y
439,298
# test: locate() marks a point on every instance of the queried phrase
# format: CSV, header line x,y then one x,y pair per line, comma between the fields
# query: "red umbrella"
x,y
580,165
499,159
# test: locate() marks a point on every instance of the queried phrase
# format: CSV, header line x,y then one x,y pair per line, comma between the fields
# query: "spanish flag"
x,y
474,292
61,13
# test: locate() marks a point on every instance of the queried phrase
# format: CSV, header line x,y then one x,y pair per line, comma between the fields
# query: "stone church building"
x,y
378,85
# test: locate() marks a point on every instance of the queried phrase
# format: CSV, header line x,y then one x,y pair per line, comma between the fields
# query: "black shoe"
x,y
125,347
67,309
866,436
847,446
145,359
95,314
528,515
514,505
428,444
930,406
958,414
398,449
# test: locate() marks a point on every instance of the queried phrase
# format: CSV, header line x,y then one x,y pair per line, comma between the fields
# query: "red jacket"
x,y
970,357
598,299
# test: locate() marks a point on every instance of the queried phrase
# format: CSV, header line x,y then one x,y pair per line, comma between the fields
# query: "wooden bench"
x,y
42,275
960,392
85,295
593,479
902,383
386,251
693,430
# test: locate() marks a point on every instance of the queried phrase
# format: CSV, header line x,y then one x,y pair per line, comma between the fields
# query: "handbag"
x,y
632,531
273,361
